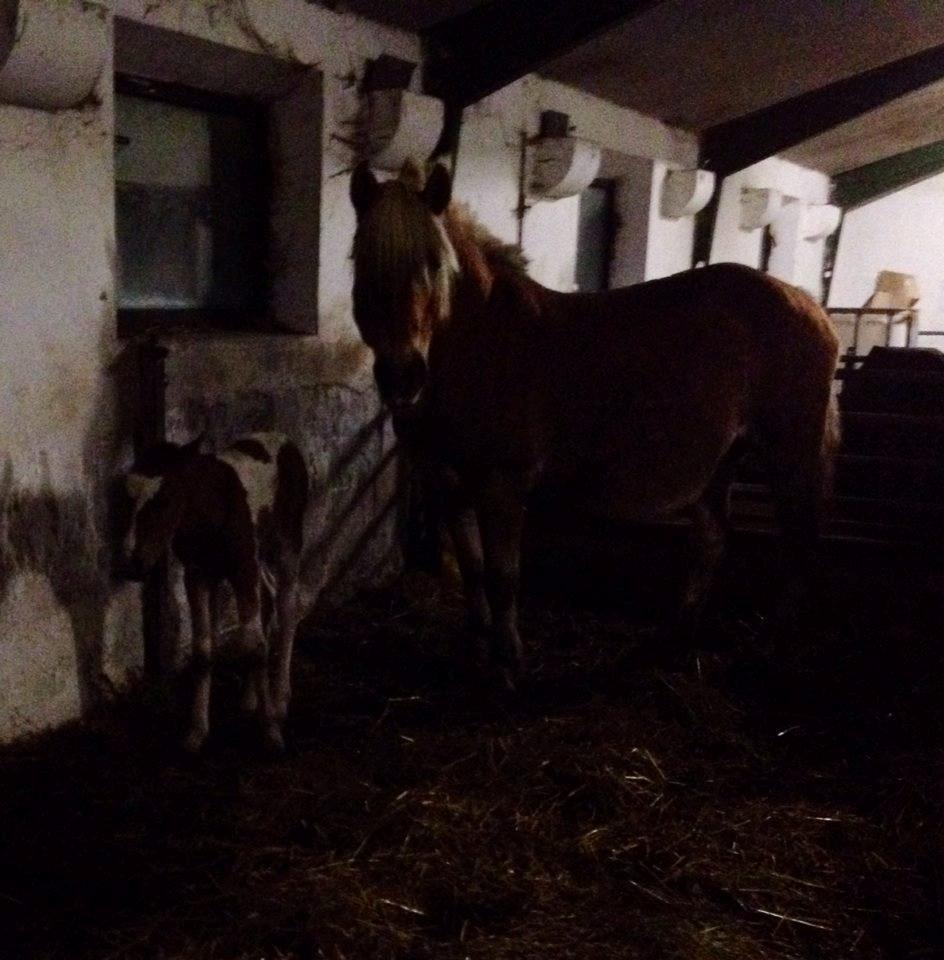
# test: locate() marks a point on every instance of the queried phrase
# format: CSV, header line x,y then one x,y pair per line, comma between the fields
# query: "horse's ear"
x,y
438,190
363,187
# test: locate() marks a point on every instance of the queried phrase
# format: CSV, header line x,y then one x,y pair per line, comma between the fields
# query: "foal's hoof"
x,y
273,741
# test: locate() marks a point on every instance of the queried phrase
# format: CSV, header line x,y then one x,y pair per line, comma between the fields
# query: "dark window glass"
x,y
595,236
191,209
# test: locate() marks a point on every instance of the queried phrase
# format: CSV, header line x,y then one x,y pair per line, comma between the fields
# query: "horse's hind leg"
x,y
501,520
709,532
800,465
709,518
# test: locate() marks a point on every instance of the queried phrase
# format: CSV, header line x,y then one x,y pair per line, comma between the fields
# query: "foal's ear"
x,y
363,187
438,190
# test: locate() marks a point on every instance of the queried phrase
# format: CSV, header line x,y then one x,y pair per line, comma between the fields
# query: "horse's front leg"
x,y
501,520
463,524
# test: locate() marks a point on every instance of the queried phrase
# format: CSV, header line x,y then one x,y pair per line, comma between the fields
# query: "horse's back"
x,y
658,381
722,334
731,293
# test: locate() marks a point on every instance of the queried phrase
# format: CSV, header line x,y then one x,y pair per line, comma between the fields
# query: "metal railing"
x,y
861,328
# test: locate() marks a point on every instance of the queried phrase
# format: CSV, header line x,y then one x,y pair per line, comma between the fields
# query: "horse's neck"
x,y
485,261
467,237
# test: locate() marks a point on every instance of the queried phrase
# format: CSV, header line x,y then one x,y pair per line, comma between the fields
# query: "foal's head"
x,y
156,485
404,267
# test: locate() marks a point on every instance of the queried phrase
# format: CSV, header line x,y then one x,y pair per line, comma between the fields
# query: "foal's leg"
x,y
501,519
199,600
280,674
254,642
250,700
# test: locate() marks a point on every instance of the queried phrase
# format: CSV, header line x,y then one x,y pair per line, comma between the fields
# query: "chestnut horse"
x,y
636,400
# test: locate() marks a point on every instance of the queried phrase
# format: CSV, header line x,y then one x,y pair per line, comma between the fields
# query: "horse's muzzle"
x,y
399,382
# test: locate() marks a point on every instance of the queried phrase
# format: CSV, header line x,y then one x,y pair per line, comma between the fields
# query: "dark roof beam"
x,y
854,188
736,144
478,52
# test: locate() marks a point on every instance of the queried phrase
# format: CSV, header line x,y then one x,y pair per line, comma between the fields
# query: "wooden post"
x,y
150,427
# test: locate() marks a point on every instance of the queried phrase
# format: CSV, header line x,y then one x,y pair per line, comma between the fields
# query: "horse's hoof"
x,y
509,678
250,701
193,742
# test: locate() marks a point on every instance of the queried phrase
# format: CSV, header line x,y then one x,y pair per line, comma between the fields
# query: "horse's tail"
x,y
832,435
799,423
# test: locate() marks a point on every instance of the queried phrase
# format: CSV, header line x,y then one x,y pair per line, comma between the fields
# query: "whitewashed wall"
x,y
489,169
67,631
669,247
733,244
904,232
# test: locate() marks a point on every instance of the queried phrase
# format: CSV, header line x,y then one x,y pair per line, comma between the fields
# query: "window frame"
x,y
286,97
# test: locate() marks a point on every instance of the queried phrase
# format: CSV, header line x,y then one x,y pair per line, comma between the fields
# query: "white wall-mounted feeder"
x,y
760,206
562,167
686,192
399,125
820,220
56,54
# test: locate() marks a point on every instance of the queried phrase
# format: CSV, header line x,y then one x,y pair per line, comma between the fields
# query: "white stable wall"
x,y
670,241
68,632
904,232
803,265
489,170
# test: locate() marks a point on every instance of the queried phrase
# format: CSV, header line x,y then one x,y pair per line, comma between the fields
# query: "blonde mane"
x,y
479,251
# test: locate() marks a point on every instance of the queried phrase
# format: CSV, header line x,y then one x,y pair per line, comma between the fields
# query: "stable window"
x,y
217,192
191,206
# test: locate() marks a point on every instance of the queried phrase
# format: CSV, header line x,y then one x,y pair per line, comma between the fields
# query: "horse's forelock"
x,y
400,245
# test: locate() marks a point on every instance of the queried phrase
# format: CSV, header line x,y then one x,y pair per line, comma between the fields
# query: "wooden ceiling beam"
x,y
736,144
853,188
478,52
